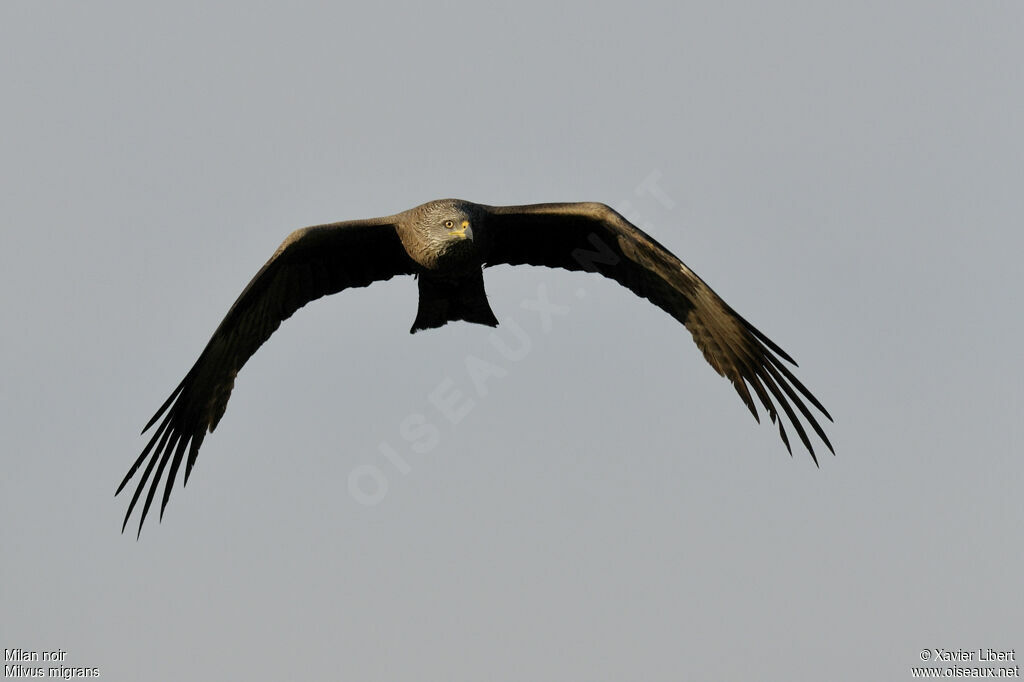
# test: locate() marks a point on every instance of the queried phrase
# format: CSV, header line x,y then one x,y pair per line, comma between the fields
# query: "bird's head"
x,y
447,226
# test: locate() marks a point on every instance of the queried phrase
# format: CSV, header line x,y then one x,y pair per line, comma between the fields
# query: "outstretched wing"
x,y
593,237
312,262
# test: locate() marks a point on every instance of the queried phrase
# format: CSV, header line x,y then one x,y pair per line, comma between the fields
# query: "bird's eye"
x,y
449,224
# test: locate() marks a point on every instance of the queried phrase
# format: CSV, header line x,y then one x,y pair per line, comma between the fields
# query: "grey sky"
x,y
849,179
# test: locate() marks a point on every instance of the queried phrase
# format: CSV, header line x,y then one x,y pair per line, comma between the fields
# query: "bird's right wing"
x,y
311,263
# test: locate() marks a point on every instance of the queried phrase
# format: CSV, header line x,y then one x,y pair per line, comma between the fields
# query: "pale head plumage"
x,y
443,233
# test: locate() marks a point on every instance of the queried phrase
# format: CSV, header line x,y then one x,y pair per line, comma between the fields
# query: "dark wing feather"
x,y
312,262
593,237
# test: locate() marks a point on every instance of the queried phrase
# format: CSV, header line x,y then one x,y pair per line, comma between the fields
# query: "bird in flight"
x,y
446,244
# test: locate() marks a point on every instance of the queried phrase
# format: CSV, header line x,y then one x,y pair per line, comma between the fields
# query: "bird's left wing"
x,y
311,263
593,237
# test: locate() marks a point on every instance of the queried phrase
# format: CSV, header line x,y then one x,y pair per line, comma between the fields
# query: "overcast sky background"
x,y
849,179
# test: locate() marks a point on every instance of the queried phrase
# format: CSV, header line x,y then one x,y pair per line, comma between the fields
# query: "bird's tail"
x,y
444,300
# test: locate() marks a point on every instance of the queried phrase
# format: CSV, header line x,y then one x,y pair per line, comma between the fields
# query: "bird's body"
x,y
446,244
